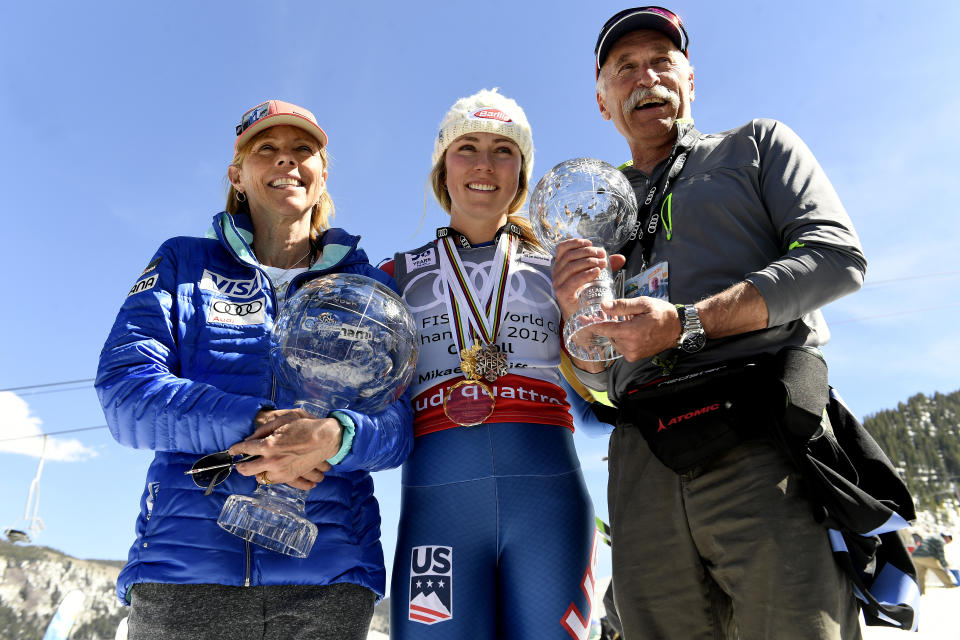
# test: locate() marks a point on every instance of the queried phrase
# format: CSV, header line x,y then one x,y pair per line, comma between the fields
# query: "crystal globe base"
x,y
582,343
273,517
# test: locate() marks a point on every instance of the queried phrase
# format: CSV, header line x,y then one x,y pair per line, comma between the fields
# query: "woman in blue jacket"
x,y
185,371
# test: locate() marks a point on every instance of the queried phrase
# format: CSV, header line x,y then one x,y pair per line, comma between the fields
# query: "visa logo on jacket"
x,y
228,286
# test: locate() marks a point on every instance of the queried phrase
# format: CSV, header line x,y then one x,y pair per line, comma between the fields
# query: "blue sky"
x,y
119,127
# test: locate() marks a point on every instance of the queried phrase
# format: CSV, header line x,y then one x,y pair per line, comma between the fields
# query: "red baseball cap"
x,y
274,112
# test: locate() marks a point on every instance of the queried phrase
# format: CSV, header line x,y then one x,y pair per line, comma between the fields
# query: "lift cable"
x,y
48,384
53,433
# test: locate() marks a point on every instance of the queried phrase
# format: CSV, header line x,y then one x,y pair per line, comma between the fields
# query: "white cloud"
x,y
16,421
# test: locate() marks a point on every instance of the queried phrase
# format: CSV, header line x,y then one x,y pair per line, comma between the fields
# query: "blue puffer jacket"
x,y
184,371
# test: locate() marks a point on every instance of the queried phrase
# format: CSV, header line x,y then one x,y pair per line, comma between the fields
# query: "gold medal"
x,y
469,402
468,361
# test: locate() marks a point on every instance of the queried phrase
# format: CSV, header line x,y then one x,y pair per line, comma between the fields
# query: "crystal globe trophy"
x,y
342,341
589,199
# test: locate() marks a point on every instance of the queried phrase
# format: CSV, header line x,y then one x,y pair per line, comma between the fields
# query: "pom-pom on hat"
x,y
490,112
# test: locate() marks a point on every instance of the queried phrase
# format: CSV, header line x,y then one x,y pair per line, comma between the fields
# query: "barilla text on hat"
x,y
492,114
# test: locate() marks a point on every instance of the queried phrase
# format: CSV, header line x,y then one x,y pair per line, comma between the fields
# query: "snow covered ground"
x,y
939,619
938,616
939,606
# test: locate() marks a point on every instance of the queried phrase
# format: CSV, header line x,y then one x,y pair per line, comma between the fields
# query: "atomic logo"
x,y
696,413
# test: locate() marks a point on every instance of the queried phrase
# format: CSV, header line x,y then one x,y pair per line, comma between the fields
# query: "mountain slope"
x,y
33,581
922,438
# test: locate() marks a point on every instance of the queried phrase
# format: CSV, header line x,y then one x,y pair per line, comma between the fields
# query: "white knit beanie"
x,y
490,112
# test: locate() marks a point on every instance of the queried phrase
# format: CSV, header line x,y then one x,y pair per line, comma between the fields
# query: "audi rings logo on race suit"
x,y
249,312
431,584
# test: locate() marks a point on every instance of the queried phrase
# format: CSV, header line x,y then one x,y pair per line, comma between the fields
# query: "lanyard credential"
x,y
649,212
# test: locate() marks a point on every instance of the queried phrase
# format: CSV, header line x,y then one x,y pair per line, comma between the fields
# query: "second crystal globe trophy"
x,y
343,341
590,199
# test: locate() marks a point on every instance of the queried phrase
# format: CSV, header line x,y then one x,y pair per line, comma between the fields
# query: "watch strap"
x,y
692,335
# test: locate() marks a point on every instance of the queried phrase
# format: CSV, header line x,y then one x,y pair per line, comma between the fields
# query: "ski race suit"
x,y
184,371
497,535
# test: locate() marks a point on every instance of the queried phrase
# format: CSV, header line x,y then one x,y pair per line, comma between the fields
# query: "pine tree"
x,y
922,439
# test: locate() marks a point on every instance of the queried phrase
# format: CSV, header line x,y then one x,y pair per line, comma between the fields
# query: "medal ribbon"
x,y
481,313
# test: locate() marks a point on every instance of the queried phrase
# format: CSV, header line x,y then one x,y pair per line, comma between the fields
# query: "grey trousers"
x,y
729,550
213,611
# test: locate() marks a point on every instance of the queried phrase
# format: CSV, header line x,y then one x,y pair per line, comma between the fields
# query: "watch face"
x,y
693,341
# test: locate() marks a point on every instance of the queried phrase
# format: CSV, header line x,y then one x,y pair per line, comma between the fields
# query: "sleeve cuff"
x,y
346,443
592,381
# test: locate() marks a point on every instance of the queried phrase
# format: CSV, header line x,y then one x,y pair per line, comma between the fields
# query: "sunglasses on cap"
x,y
213,469
641,18
254,115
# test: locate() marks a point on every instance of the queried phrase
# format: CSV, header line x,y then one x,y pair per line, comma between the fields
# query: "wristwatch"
x,y
692,336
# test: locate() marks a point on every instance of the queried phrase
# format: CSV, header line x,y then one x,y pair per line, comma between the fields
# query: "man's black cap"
x,y
657,18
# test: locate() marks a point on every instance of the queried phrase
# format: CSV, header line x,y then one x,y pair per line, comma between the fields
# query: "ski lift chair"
x,y
16,535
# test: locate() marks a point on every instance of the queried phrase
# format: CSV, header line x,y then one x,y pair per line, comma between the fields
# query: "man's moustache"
x,y
658,93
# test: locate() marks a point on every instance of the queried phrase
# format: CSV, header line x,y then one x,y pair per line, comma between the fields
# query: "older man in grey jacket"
x,y
742,240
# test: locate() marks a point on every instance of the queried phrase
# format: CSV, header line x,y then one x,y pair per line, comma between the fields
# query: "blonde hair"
x,y
322,213
438,180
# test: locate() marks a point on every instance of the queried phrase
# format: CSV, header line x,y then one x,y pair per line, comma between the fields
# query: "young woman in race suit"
x,y
186,372
496,534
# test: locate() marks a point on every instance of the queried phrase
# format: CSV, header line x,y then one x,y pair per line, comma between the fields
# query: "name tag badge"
x,y
654,283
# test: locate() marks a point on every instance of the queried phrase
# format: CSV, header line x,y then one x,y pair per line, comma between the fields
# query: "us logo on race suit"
x,y
229,286
246,313
426,258
431,584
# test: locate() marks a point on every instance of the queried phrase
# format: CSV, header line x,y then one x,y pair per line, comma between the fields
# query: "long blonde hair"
x,y
438,180
322,213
